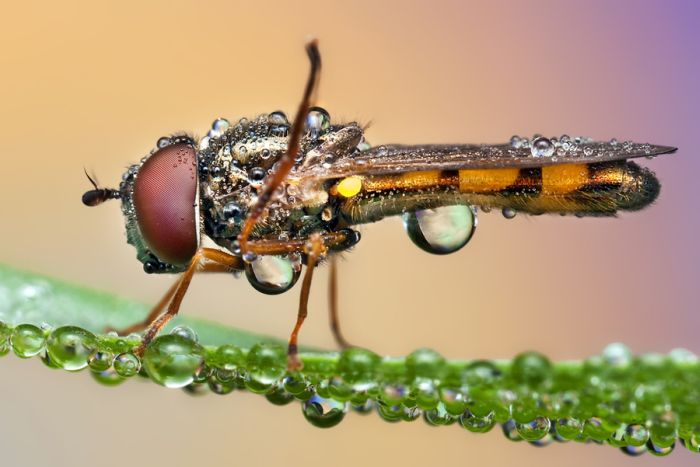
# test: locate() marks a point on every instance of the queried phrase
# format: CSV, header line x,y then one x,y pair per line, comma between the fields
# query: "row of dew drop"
x,y
637,404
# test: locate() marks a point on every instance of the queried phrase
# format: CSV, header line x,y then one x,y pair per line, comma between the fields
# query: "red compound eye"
x,y
164,198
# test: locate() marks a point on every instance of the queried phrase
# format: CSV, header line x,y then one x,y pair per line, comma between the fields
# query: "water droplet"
x,y
508,213
279,125
100,361
534,430
569,428
542,147
613,142
358,368
531,368
683,357
27,340
617,355
318,121
69,347
510,431
219,126
185,332
299,387
656,450
438,416
107,377
279,396
249,257
515,141
127,364
163,142
256,175
204,143
477,424
173,359
588,151
324,413
272,275
442,230
266,365
633,450
636,435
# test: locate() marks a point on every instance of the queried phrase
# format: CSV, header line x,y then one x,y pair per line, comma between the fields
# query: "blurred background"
x,y
86,84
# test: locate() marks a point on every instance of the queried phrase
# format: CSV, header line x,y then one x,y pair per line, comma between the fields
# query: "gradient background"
x,y
84,84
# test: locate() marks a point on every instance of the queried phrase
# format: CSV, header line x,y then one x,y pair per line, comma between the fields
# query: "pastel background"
x,y
95,84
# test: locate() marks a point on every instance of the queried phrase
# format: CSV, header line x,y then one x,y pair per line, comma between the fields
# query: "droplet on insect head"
x,y
204,143
508,213
272,275
318,121
542,147
442,230
257,174
163,142
219,126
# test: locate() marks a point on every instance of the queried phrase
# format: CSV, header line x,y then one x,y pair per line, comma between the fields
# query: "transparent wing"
x,y
389,159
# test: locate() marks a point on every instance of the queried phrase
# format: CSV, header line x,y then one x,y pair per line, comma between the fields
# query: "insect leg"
x,y
333,304
286,162
205,260
315,249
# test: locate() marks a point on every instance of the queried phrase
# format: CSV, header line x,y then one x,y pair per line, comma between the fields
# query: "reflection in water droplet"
x,y
324,413
508,213
185,332
272,275
534,430
659,450
634,450
477,424
442,230
172,360
318,121
163,142
127,364
542,147
100,361
69,347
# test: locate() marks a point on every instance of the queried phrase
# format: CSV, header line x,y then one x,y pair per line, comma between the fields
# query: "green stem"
x,y
639,403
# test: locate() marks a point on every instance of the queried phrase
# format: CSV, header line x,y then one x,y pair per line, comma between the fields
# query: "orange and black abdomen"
x,y
582,189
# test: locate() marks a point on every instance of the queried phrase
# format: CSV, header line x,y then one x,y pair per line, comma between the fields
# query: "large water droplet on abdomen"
x,y
272,275
442,230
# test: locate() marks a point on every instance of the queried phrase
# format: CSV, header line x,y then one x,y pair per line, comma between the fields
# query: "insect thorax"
x,y
234,161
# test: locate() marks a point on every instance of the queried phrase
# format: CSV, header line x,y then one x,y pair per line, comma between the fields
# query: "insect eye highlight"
x,y
165,192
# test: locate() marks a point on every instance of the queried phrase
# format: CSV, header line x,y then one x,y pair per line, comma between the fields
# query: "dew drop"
x,y
636,435
279,125
657,450
442,230
508,213
172,360
515,141
633,451
127,364
27,340
108,377
272,275
185,332
588,151
477,424
163,142
219,126
542,147
100,361
318,121
569,428
324,413
69,347
534,430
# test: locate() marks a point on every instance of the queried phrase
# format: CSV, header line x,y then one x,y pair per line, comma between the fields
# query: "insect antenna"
x,y
98,195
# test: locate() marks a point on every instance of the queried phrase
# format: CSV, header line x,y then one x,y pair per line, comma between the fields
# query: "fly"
x,y
276,195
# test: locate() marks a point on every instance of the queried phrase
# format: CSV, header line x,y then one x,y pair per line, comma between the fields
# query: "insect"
x,y
275,196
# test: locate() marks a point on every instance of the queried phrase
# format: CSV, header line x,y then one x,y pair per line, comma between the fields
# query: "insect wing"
x,y
388,159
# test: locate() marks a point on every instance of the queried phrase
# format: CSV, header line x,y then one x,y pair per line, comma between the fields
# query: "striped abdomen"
x,y
583,189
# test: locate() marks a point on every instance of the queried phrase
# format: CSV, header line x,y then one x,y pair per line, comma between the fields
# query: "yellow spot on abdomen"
x,y
349,187
486,180
562,179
